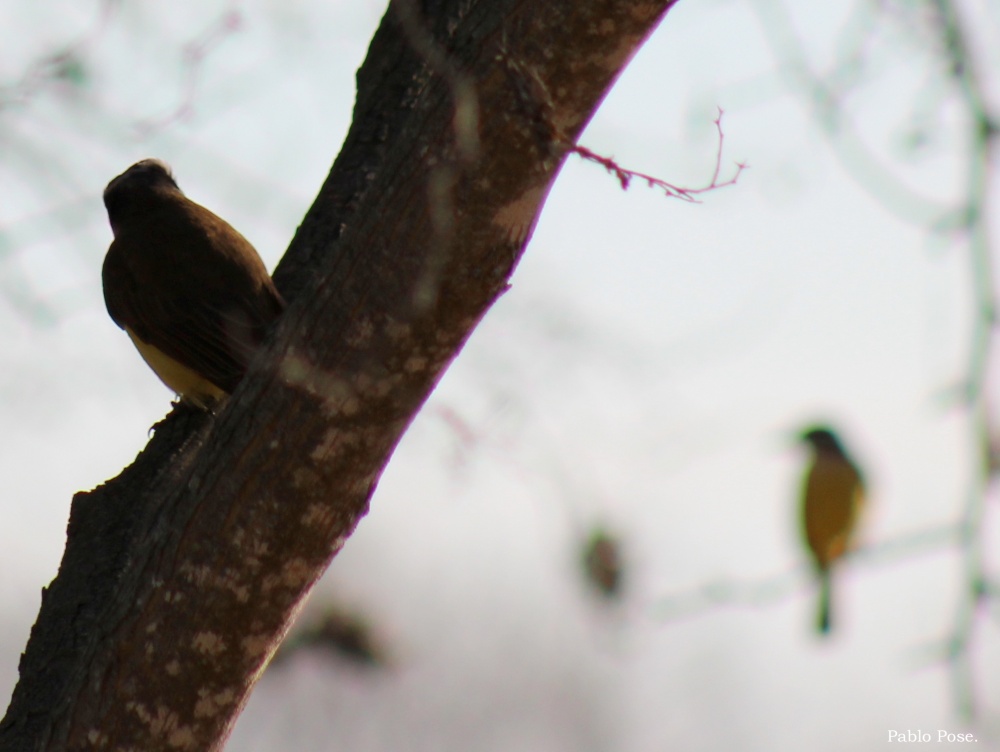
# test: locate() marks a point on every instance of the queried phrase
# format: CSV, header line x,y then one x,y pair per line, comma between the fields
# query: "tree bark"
x,y
181,575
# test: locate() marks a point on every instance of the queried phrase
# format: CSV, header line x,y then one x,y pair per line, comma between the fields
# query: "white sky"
x,y
647,370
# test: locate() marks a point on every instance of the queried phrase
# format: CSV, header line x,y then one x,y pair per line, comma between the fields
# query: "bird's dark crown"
x,y
136,187
149,173
822,438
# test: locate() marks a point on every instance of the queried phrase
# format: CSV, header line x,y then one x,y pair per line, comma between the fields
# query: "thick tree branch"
x,y
181,575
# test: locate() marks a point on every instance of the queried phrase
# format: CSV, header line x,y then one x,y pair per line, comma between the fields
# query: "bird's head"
x,y
135,189
822,439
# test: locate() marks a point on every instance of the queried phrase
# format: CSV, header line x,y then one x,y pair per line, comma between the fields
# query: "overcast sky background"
x,y
647,372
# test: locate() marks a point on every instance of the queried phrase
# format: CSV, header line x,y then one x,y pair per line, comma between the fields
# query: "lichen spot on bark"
x,y
211,703
208,643
318,515
255,645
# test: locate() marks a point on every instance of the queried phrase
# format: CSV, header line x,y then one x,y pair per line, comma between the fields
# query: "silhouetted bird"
x,y
190,291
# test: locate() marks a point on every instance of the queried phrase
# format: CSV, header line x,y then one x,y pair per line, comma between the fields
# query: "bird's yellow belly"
x,y
182,380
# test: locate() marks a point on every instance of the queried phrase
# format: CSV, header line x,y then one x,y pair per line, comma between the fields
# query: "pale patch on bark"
x,y
197,575
210,703
242,592
181,738
96,738
360,333
294,574
165,723
336,396
208,643
384,387
333,440
305,477
204,575
415,364
253,549
319,515
396,330
255,645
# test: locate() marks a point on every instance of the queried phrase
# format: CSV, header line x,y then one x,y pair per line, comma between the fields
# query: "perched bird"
x,y
189,290
833,494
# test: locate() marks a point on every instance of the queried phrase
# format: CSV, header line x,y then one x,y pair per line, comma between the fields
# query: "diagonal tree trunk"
x,y
181,575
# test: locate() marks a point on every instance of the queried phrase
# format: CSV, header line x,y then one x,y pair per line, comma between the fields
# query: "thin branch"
x,y
626,176
830,113
194,55
777,587
63,65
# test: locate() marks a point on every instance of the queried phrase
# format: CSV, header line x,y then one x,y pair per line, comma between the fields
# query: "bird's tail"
x,y
823,621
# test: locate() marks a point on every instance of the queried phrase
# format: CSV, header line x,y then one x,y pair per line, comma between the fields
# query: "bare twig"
x,y
193,56
626,176
779,586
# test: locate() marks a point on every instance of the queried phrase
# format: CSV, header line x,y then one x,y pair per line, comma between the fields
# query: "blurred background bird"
x,y
833,494
603,563
343,631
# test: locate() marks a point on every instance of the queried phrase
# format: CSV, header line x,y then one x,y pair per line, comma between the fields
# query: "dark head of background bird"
x,y
136,190
822,439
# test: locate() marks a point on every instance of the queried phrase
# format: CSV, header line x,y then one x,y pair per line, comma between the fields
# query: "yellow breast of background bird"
x,y
834,494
